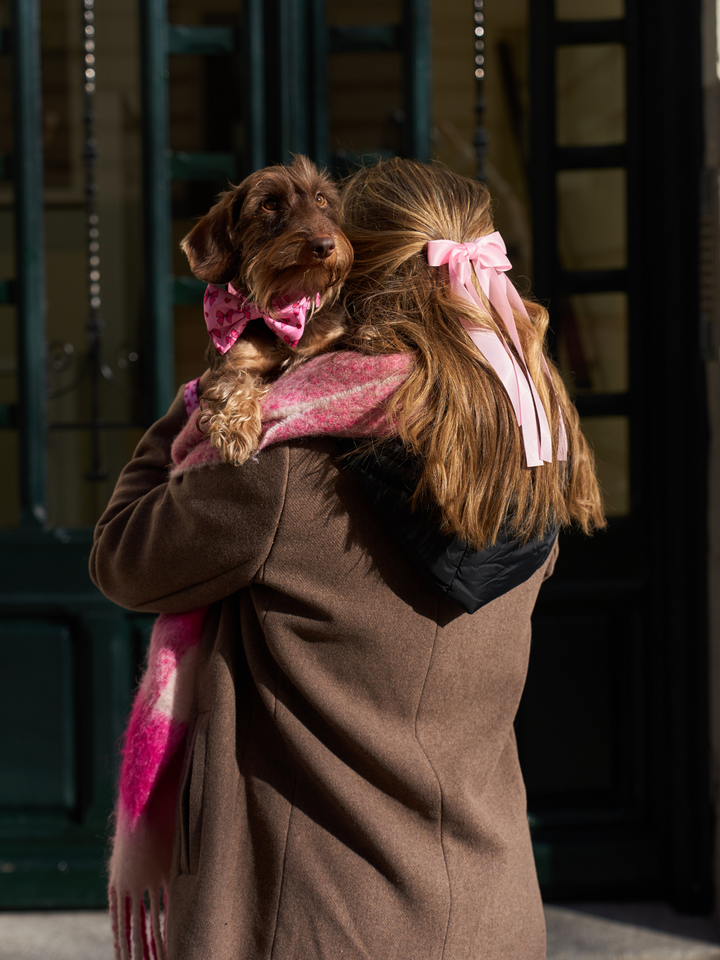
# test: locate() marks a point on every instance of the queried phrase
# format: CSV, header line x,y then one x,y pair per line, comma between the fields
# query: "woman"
x,y
351,787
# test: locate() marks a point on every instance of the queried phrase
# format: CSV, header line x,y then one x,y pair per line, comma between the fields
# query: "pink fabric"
x,y
190,394
156,729
487,257
340,394
228,312
158,732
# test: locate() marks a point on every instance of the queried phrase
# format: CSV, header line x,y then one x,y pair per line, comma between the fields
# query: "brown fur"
x,y
453,412
276,233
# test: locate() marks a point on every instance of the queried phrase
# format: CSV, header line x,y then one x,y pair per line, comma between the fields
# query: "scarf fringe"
x,y
137,934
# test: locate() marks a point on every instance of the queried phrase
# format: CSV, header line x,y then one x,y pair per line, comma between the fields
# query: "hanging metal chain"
x,y
61,354
481,138
94,325
90,160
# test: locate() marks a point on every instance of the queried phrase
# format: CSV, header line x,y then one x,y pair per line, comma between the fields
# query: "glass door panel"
x,y
610,440
9,446
9,479
591,102
593,342
589,9
592,219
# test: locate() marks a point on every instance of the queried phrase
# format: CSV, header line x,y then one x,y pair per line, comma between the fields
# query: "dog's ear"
x,y
211,246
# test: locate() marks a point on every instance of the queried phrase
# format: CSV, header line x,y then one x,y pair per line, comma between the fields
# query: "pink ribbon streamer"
x,y
487,256
228,312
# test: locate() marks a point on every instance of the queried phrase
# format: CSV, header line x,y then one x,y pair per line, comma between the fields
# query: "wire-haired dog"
x,y
276,242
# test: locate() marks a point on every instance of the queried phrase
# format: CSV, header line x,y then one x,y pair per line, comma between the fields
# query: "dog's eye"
x,y
270,203
320,200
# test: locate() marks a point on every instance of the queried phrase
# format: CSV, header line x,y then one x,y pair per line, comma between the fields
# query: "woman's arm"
x,y
169,545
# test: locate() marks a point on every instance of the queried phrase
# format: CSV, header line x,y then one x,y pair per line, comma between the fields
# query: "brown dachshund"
x,y
275,239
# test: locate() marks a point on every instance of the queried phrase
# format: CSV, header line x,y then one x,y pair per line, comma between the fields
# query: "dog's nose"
x,y
322,247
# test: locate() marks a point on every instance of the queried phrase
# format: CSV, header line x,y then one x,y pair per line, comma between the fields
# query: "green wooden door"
x,y
65,656
72,408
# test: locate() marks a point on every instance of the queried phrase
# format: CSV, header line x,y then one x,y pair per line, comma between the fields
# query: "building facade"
x,y
596,126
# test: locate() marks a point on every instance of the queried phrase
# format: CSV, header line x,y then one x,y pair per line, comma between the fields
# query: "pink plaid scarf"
x,y
337,394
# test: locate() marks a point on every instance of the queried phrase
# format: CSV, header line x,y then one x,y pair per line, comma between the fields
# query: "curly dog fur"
x,y
277,233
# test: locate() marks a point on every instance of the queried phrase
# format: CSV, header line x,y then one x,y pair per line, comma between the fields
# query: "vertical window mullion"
x,y
543,186
30,258
292,90
157,239
317,79
254,94
417,79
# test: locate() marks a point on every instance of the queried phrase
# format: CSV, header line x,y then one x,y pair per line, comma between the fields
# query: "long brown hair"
x,y
453,413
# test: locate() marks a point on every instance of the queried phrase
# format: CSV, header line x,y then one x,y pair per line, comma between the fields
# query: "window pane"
x,y
589,9
9,475
590,94
592,233
609,438
365,102
191,341
368,12
593,342
365,89
73,500
8,362
453,83
9,448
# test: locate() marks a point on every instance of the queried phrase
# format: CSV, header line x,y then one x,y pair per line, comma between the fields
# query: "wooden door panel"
x,y
37,709
582,717
68,664
587,738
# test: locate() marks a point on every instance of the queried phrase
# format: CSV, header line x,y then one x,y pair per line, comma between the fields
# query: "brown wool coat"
x,y
351,787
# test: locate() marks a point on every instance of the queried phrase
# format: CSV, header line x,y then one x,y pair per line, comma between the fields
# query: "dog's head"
x,y
276,233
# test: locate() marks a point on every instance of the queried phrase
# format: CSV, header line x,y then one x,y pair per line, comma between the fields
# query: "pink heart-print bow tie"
x,y
228,312
487,257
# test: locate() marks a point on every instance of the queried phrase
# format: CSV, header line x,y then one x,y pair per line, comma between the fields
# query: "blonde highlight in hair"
x,y
452,413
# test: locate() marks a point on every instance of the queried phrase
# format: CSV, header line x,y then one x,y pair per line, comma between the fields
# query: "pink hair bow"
x,y
228,312
487,257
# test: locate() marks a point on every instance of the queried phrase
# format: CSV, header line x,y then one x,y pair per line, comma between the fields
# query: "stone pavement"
x,y
55,935
572,934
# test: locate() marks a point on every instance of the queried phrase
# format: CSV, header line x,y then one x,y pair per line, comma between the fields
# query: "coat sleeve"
x,y
167,545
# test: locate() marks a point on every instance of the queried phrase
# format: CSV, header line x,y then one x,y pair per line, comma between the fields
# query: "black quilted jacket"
x,y
471,578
